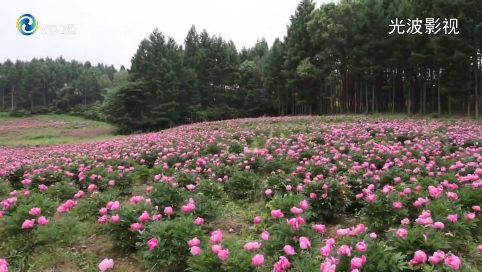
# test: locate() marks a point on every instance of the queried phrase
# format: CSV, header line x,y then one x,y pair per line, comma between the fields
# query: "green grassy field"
x,y
45,130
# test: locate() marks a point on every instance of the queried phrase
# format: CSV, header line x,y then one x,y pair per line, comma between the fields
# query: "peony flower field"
x,y
344,193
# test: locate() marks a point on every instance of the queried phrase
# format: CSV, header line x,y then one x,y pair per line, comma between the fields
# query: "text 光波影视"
x,y
429,26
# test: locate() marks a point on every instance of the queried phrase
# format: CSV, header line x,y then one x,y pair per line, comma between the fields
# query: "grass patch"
x,y
73,121
46,130
49,141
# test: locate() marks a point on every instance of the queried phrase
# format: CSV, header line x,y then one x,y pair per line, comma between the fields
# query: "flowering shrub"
x,y
243,186
163,243
328,199
125,223
304,194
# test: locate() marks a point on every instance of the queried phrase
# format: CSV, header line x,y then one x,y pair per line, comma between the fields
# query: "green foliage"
x,y
62,191
149,158
5,189
16,214
420,238
283,234
211,149
15,177
331,199
278,182
384,257
124,239
243,186
166,195
277,164
88,209
236,148
468,198
172,251
284,202
207,261
207,208
347,40
380,214
141,174
69,236
229,196
211,189
18,243
184,179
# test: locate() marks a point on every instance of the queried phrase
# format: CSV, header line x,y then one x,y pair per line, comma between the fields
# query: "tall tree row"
x,y
55,86
336,58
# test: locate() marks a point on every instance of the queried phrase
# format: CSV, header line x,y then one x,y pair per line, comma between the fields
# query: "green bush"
x,y
243,186
124,239
172,252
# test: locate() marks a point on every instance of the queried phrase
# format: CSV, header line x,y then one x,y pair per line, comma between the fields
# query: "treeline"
x,y
338,58
57,86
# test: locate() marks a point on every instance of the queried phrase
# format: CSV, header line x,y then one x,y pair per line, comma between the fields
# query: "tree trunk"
x,y
393,92
424,98
361,96
439,102
476,69
13,96
468,109
354,100
450,106
373,95
45,95
366,98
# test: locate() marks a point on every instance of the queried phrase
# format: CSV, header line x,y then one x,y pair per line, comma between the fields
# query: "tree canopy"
x,y
336,58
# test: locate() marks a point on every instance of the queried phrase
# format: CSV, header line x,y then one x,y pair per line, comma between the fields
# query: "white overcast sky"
x,y
109,31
